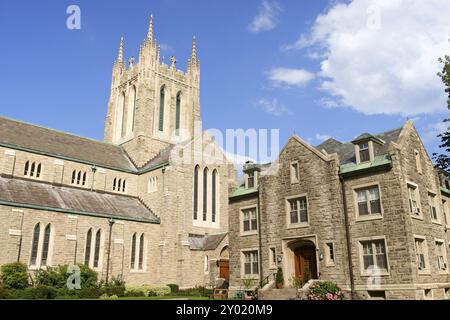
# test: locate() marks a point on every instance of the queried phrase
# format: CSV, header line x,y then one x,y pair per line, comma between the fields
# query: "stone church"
x,y
124,206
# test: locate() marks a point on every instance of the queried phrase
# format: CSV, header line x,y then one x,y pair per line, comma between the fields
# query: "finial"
x,y
158,54
150,29
194,50
131,62
120,55
173,61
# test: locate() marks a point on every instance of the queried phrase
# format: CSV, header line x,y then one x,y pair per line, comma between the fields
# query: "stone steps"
x,y
278,294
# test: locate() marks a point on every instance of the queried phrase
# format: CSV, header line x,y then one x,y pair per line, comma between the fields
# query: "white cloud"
x,y
432,130
272,107
290,77
322,137
267,17
381,59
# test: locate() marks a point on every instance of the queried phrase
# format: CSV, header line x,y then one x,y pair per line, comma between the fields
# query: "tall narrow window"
x,y
178,114
87,253
196,172
114,184
119,185
38,171
251,266
98,237
421,253
131,109
84,179
249,220
418,162
124,124
413,200
79,177
432,204
124,185
45,246
205,193
27,167
33,167
214,195
35,244
364,154
141,252
133,251
74,173
251,179
162,96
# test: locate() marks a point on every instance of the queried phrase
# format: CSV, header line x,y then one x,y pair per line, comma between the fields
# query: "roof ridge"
x,y
58,131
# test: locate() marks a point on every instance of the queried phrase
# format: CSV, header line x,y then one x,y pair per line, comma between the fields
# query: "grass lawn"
x,y
163,298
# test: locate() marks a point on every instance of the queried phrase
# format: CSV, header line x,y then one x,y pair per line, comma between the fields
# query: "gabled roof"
x,y
43,196
28,137
346,151
207,242
160,159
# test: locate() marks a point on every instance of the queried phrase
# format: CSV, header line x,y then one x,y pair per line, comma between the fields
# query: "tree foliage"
x,y
443,159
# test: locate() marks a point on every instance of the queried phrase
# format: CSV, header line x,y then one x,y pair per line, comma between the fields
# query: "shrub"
x,y
57,277
240,295
134,293
14,276
106,297
325,290
174,288
4,293
279,279
115,287
148,290
44,292
198,291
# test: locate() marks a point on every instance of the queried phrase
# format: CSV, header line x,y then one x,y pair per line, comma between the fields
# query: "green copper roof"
x,y
445,190
242,191
378,163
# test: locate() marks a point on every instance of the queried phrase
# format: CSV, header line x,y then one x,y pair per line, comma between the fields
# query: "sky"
x,y
319,69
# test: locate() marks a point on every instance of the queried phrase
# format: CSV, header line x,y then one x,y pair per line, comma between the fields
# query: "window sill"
x,y
250,277
416,217
249,233
423,272
436,222
298,226
138,271
381,274
369,217
330,264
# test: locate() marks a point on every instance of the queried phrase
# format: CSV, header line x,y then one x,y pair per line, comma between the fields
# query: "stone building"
x,y
371,215
126,206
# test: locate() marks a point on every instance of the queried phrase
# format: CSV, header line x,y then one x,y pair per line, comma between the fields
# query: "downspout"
x,y
21,238
347,236
260,239
111,223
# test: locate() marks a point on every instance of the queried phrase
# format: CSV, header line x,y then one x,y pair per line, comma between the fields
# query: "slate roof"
x,y
346,151
208,242
21,135
160,159
44,196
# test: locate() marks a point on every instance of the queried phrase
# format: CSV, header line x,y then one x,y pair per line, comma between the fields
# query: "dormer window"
x,y
364,153
251,179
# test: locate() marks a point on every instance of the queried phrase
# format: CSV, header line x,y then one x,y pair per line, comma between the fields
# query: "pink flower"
x,y
329,296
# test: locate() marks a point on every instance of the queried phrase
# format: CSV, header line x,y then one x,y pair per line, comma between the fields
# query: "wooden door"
x,y
305,263
224,269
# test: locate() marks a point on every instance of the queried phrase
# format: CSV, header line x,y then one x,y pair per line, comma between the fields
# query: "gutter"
x,y
260,240
81,213
348,240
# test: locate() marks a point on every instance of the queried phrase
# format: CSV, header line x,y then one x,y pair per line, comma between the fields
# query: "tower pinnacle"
x,y
150,29
120,55
194,50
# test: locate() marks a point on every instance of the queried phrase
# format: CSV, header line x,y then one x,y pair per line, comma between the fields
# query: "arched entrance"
x,y
305,262
224,264
300,259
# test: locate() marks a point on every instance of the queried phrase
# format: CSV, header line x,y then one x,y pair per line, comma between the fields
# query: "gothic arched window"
x,y
35,244
133,251
131,109
123,123
178,114
114,184
214,195
27,167
196,173
205,193
87,253
162,96
74,173
141,252
84,179
98,238
38,171
45,246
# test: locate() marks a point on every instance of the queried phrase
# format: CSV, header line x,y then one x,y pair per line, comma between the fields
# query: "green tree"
x,y
442,160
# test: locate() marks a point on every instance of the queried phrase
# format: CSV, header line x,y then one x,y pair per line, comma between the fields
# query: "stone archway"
x,y
300,260
224,263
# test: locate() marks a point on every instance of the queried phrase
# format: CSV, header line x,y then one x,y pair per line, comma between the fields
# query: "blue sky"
x,y
319,68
